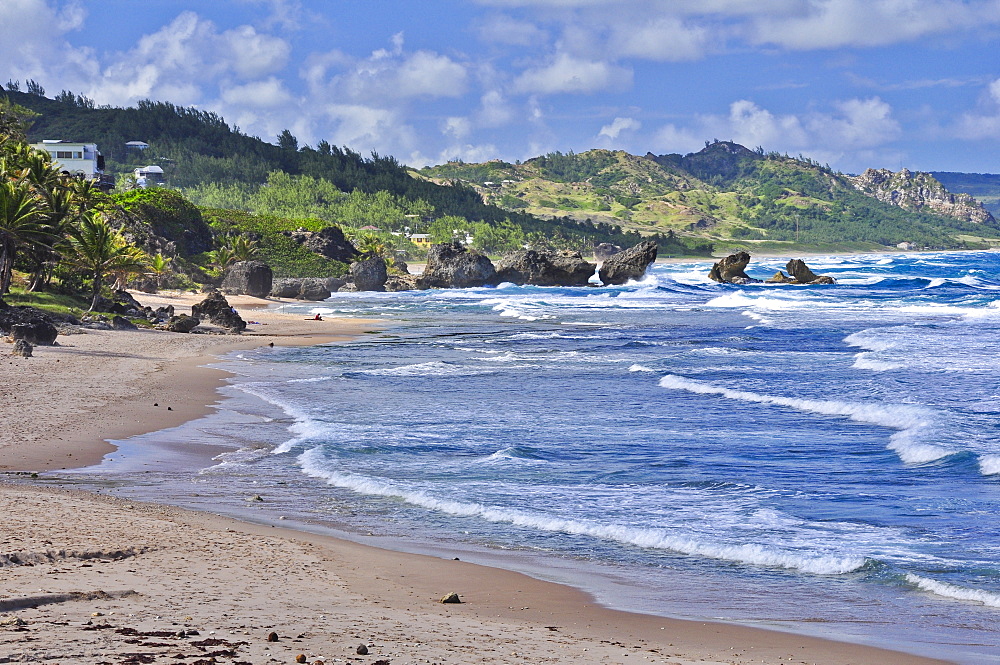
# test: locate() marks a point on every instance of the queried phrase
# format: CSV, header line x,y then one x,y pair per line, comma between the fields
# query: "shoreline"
x,y
504,612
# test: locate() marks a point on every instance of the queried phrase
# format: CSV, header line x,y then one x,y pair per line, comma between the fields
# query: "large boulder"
x,y
803,275
732,270
22,348
313,288
453,266
286,287
405,282
370,274
628,264
252,278
544,268
217,309
37,332
120,302
182,323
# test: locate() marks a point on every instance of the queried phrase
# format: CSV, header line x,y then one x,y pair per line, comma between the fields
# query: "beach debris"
x,y
301,658
451,598
628,264
13,621
362,650
22,348
256,498
272,636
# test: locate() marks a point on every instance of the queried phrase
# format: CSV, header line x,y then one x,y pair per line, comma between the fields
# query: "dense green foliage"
x,y
171,216
286,257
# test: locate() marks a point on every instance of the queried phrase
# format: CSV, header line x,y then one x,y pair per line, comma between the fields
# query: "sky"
x,y
849,83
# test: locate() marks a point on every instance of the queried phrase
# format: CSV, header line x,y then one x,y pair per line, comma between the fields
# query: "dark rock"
x,y
628,264
452,266
313,288
164,313
451,598
286,287
399,265
370,274
401,283
803,275
252,278
335,283
605,250
362,650
731,270
780,278
218,310
329,242
272,637
22,348
544,268
121,323
182,323
120,302
35,332
348,287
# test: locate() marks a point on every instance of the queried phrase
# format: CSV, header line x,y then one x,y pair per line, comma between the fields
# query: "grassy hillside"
x,y
725,193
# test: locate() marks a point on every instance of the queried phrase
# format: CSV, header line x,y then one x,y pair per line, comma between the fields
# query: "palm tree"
x,y
21,223
243,248
98,249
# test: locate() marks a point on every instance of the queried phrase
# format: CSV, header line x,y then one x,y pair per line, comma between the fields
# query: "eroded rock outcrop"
x,y
252,278
920,192
453,266
37,332
628,264
544,268
605,250
329,242
182,323
217,309
370,274
732,270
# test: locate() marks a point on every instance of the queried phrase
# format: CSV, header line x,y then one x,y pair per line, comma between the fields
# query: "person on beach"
x,y
317,317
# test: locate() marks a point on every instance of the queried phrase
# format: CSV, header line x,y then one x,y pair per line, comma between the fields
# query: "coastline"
x,y
200,571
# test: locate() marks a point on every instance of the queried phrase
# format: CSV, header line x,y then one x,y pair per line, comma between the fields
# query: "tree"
x,y
287,142
97,249
21,223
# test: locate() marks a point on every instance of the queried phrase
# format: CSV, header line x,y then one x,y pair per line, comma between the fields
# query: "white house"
x,y
76,158
136,145
148,175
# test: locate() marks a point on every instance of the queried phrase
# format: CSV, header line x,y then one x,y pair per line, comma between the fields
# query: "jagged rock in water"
x,y
780,278
453,266
628,264
370,274
218,310
329,242
121,323
605,250
37,332
252,278
22,348
528,266
803,275
182,323
731,270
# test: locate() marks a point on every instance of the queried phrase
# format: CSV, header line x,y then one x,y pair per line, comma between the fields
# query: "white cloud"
x,y
269,93
503,29
468,152
494,110
456,127
566,74
619,125
984,122
664,38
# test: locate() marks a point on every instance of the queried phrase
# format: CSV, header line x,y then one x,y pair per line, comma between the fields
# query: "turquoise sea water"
x,y
817,459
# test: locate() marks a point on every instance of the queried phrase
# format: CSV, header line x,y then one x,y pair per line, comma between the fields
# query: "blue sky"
x,y
852,83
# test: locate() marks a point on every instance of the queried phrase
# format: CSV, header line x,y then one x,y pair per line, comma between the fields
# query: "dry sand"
x,y
91,579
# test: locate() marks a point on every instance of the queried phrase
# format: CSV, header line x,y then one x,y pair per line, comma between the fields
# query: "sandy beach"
x,y
92,579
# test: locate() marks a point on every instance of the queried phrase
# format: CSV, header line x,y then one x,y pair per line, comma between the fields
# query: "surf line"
x,y
912,423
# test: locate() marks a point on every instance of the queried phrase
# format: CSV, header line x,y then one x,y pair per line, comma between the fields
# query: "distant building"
x,y
147,176
906,246
136,145
79,159
420,239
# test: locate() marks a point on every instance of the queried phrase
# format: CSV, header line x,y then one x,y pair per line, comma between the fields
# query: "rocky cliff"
x,y
920,192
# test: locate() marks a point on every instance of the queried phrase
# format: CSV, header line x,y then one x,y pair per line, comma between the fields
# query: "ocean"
x,y
817,459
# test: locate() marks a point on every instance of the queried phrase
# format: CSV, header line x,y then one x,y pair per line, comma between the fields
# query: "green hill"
x,y
725,193
984,187
199,152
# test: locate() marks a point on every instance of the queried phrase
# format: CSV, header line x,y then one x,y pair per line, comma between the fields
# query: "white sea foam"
x,y
869,362
313,464
954,592
912,422
432,368
640,368
989,465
